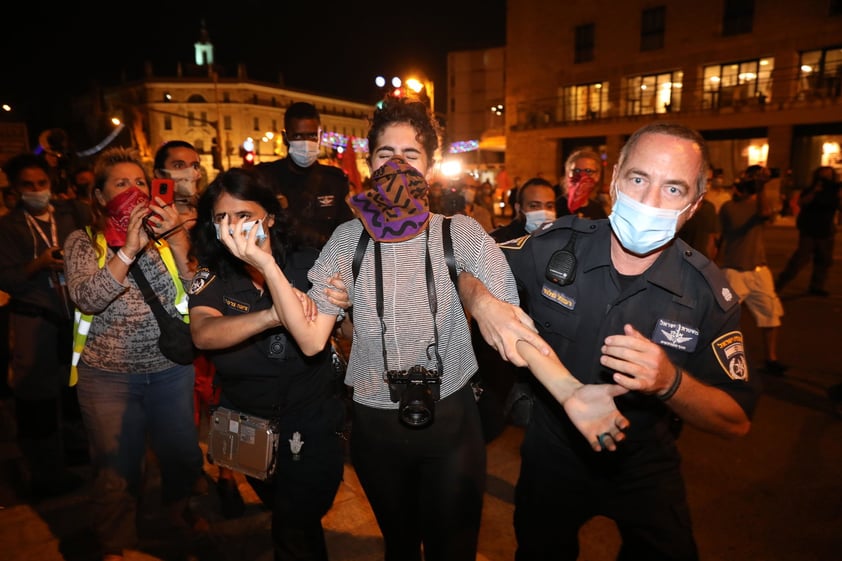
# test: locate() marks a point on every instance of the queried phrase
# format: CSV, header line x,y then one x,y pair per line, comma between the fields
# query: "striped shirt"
x,y
406,310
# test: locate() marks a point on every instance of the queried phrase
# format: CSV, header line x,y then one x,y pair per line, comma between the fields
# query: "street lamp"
x,y
419,85
415,84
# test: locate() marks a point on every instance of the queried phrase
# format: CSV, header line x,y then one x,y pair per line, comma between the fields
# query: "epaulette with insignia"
x,y
514,244
713,275
201,280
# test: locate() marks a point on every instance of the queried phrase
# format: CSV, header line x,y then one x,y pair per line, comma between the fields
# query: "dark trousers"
x,y
563,484
426,485
819,250
302,490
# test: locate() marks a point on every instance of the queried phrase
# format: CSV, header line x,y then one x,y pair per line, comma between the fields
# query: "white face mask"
x,y
303,152
641,228
36,201
185,180
247,226
535,218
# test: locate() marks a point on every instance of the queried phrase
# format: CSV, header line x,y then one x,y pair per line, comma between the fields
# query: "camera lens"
x,y
416,406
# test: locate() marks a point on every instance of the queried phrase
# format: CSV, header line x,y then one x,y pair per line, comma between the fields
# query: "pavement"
x,y
774,495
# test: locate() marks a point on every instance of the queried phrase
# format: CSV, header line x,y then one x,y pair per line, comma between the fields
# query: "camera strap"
x,y
431,297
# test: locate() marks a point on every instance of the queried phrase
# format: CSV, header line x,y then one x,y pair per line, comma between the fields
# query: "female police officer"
x,y
260,369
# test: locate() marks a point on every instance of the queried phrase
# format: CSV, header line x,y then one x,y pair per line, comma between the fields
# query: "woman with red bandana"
x,y
130,394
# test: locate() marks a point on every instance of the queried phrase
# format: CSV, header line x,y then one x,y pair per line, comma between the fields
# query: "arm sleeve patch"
x,y
201,280
730,353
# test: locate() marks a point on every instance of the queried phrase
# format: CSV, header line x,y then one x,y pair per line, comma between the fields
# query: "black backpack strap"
x,y
360,253
447,242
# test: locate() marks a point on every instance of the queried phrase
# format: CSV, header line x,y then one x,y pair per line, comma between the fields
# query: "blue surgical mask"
x,y
535,218
641,228
247,226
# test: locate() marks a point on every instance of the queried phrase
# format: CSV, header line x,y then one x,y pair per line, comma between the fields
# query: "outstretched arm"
x,y
502,324
591,407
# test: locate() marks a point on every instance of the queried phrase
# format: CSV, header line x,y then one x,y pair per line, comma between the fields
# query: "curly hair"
x,y
406,109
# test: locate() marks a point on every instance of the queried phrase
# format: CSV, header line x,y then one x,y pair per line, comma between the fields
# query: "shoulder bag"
x,y
175,341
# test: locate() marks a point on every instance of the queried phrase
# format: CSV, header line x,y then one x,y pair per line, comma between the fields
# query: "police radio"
x,y
562,266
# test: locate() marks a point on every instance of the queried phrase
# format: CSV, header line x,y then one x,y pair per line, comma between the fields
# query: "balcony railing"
x,y
558,112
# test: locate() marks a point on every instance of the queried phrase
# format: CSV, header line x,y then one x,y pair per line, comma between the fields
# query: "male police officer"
x,y
622,299
313,192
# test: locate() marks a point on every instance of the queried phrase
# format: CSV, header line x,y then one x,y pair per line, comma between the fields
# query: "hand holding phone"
x,y
163,188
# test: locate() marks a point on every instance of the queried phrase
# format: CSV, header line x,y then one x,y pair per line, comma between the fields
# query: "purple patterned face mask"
x,y
396,207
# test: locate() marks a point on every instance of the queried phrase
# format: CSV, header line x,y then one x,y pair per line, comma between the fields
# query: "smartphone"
x,y
163,188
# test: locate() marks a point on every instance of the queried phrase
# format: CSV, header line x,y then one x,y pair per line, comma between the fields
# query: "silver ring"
x,y
601,437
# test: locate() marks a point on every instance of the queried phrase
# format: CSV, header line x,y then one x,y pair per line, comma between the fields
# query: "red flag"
x,y
349,164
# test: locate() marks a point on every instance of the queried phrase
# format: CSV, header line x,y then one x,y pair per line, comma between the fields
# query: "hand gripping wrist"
x,y
679,374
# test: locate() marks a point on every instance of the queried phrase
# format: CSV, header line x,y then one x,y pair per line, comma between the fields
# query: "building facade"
x,y
200,103
476,90
228,112
760,79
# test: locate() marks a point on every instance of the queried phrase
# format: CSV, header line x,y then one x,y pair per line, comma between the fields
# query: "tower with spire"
x,y
203,47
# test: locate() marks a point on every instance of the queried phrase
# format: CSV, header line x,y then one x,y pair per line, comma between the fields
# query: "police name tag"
x,y
551,292
676,335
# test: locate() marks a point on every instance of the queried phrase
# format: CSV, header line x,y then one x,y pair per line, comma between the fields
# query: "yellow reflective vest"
x,y
82,322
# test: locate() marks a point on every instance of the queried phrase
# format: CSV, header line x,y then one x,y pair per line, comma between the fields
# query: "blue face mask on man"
x,y
641,228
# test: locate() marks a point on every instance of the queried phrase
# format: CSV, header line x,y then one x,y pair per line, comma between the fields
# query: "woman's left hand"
x,y
336,292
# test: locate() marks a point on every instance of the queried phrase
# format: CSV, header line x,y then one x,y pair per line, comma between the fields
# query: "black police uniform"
x,y
514,229
268,376
315,195
683,303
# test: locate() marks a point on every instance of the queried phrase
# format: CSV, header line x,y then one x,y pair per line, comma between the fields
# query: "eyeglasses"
x,y
589,171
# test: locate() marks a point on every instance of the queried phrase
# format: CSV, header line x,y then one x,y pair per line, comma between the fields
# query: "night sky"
x,y
57,52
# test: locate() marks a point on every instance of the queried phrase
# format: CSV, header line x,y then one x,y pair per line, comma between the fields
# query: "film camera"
x,y
416,390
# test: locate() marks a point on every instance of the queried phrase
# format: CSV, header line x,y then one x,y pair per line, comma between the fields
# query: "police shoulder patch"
x,y
516,243
201,280
730,353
